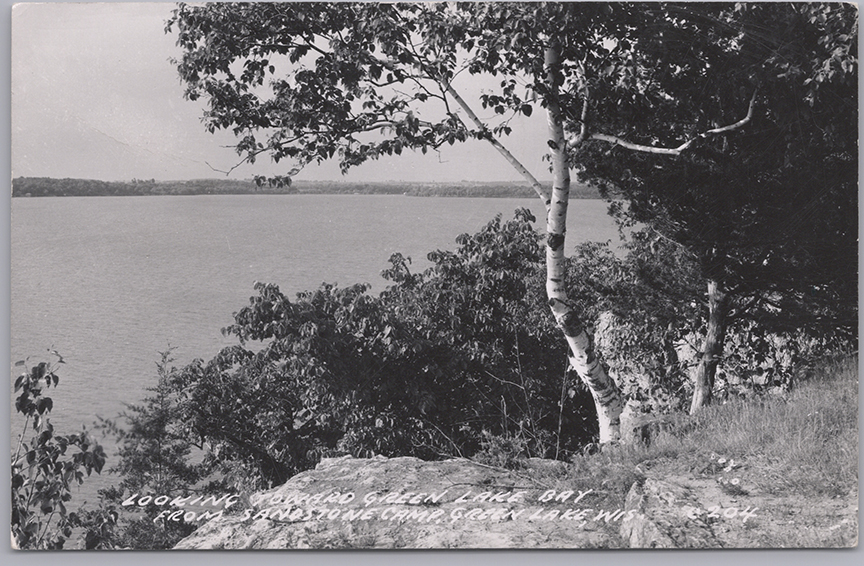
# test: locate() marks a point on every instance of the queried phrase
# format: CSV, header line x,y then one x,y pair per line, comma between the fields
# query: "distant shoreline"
x,y
23,187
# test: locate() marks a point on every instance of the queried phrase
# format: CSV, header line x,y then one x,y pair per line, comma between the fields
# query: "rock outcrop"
x,y
661,514
409,503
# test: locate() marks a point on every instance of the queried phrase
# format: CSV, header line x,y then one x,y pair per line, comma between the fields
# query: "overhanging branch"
x,y
667,150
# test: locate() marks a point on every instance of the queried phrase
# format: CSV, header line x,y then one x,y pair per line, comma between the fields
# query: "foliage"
x,y
430,368
767,210
154,448
354,81
98,526
651,320
643,304
741,148
507,452
45,468
153,458
309,82
452,361
712,121
485,301
728,128
317,110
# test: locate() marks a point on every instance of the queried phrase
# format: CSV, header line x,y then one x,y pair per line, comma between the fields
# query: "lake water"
x,y
109,282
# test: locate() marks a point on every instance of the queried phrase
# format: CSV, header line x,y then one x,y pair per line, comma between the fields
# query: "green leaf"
x,y
43,405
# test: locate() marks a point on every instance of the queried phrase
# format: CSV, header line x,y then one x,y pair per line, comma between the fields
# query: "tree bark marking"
x,y
607,396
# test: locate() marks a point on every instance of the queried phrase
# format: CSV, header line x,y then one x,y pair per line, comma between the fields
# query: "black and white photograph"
x,y
434,275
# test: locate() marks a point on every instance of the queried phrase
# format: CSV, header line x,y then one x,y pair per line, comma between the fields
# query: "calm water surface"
x,y
109,282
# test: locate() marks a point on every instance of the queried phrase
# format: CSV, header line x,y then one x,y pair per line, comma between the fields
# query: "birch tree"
x,y
308,82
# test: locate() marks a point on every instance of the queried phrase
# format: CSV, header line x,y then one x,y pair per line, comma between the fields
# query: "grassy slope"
x,y
801,447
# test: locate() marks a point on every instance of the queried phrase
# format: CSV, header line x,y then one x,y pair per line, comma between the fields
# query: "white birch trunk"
x,y
607,396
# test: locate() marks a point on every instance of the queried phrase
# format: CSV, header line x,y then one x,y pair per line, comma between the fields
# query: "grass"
x,y
806,442
803,442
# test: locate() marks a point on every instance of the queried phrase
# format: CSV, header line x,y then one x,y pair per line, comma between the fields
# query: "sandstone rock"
x,y
660,515
409,503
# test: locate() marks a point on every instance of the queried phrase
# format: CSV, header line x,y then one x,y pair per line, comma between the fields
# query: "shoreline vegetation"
x,y
49,187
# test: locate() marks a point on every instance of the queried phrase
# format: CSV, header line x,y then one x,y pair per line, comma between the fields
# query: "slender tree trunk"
x,y
712,349
607,397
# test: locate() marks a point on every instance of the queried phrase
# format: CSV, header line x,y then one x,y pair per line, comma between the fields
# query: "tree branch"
x,y
738,313
583,118
535,184
667,150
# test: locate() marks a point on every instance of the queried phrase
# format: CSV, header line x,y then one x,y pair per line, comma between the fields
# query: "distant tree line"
x,y
513,189
48,187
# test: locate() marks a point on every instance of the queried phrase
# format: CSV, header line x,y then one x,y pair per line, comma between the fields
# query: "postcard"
x,y
481,275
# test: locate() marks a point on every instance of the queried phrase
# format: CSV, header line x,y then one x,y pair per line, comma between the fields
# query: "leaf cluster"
x,y
154,446
47,466
355,77
154,457
355,81
452,361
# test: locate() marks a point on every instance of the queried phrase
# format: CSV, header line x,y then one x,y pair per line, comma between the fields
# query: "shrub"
x,y
439,359
153,458
45,468
459,359
642,304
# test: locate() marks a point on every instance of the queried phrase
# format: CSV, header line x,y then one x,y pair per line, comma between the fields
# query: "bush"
x,y
436,362
154,458
460,359
45,468
642,304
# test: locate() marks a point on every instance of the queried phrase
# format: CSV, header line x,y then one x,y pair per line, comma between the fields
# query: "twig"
x,y
456,446
561,414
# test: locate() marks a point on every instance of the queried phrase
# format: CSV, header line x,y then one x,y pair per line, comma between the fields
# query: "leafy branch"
x,y
42,473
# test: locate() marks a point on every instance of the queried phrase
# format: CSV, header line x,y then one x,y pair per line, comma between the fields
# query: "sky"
x,y
94,96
